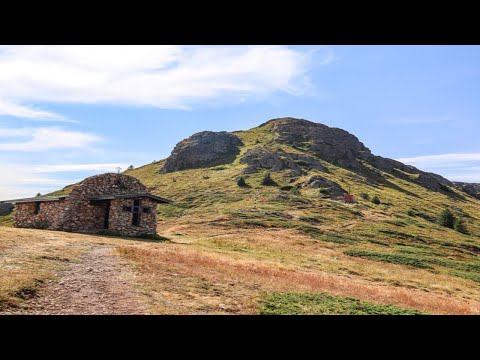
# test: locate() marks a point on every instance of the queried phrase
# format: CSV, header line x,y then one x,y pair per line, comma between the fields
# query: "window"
x,y
127,208
37,208
147,210
136,213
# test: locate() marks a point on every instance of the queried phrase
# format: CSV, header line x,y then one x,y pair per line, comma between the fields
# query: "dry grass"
x,y
248,279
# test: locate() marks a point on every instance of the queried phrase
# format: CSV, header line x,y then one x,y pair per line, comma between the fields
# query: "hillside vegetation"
x,y
286,243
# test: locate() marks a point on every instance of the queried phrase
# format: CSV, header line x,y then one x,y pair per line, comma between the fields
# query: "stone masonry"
x,y
85,208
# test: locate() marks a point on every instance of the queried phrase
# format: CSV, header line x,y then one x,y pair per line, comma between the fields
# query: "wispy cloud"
x,y
16,110
441,160
82,167
466,178
42,139
160,76
455,167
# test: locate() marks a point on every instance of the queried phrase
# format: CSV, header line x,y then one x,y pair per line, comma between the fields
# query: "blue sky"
x,y
68,112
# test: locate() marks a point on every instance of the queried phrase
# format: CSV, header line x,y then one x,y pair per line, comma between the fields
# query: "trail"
x,y
99,284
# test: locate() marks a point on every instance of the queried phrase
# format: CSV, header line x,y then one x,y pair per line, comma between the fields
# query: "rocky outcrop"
x,y
343,149
331,144
204,149
6,209
278,160
472,189
316,182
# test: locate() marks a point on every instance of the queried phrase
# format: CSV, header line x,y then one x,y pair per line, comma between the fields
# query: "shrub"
x,y
446,219
364,196
323,191
459,225
286,188
130,167
376,200
294,190
411,212
241,182
268,181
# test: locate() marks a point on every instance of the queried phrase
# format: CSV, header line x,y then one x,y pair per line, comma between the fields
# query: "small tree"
x,y
459,225
376,200
364,196
39,194
446,218
267,180
130,167
241,182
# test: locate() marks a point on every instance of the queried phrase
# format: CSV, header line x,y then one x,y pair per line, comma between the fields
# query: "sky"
x,y
68,112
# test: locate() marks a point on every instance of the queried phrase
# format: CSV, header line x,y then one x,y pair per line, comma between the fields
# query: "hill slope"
x,y
296,235
380,242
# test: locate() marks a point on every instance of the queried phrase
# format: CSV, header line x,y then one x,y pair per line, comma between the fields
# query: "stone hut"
x,y
115,202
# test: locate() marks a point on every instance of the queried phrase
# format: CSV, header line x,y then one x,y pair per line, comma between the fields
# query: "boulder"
x,y
204,149
316,182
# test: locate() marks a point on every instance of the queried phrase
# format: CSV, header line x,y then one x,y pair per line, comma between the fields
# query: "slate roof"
x,y
35,199
131,195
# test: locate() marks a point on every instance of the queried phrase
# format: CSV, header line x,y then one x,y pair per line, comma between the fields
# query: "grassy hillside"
x,y
395,242
261,249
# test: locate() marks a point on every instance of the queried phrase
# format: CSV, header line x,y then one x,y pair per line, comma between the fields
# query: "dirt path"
x,y
98,284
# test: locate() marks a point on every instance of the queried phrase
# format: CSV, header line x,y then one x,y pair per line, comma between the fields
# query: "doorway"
x,y
107,215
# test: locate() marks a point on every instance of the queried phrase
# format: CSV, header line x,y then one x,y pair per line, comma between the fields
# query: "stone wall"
x,y
121,221
50,215
80,215
76,213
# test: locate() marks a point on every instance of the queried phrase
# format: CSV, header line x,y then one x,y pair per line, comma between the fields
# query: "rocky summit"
x,y
309,143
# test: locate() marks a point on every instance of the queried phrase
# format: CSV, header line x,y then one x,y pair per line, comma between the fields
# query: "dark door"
x,y
107,215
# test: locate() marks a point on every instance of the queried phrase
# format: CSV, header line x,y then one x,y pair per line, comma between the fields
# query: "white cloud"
x,y
42,139
455,167
82,167
12,109
159,76
441,160
466,178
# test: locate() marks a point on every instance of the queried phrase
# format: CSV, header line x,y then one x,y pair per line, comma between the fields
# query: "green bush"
x,y
411,212
286,188
241,182
323,191
447,219
365,196
459,225
268,181
376,200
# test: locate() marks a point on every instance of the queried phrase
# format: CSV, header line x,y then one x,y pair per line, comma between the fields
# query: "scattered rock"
x,y
278,160
316,182
472,189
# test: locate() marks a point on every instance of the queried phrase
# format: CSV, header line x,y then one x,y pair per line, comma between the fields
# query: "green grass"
x,y
389,258
6,220
324,304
